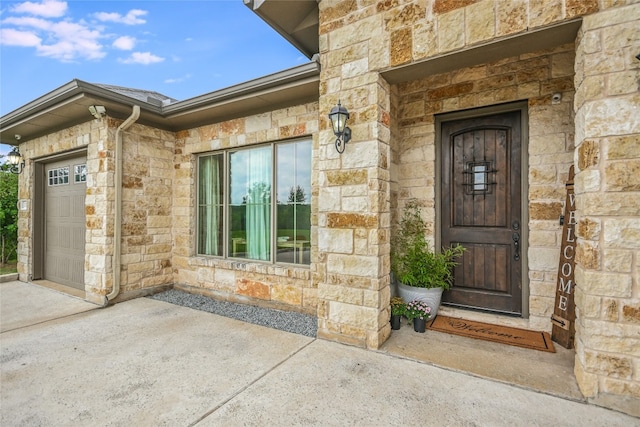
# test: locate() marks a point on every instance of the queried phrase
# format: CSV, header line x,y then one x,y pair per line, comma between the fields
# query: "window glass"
x,y
250,206
58,176
80,173
293,213
210,205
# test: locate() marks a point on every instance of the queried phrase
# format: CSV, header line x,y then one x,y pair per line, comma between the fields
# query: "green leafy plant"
x,y
398,306
8,214
412,260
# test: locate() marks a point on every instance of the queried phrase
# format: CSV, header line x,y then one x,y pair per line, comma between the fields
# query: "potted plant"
x,y
421,272
418,311
398,309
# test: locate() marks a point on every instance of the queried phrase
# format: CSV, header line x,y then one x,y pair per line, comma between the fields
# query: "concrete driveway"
x,y
145,363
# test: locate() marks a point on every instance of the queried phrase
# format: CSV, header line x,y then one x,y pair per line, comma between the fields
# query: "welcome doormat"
x,y
496,333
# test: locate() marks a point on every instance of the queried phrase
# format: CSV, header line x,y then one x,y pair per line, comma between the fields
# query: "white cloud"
x,y
73,41
11,37
144,58
178,79
37,23
47,8
64,40
124,43
43,26
131,18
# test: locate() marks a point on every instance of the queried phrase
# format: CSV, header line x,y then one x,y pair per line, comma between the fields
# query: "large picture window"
x,y
266,213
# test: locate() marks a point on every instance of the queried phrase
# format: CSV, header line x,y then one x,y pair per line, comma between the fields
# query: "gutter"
x,y
117,226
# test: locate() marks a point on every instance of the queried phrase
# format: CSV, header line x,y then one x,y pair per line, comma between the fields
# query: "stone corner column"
x,y
353,225
607,184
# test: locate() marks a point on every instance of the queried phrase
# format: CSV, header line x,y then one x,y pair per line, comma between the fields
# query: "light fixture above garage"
x,y
339,116
15,160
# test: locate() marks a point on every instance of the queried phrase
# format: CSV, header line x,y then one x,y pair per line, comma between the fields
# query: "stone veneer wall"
x,y
534,77
358,38
607,189
257,283
354,212
146,225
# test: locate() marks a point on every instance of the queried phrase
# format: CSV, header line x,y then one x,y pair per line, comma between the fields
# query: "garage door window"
x,y
59,176
79,173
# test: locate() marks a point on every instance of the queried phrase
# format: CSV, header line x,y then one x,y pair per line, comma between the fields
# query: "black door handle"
x,y
516,242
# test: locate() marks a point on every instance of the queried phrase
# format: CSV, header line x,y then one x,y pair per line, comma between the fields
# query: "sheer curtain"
x,y
210,197
259,204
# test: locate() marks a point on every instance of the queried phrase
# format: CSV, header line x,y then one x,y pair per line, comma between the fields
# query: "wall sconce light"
x,y
97,111
339,116
16,161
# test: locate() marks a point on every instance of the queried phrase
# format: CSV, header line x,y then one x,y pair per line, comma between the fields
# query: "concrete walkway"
x,y
146,363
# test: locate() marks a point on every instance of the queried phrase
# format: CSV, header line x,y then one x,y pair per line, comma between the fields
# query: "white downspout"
x,y
117,226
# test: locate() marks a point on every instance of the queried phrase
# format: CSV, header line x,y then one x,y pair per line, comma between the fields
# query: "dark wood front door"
x,y
481,210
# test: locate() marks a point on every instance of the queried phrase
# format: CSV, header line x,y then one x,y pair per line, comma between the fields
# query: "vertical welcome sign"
x,y
564,314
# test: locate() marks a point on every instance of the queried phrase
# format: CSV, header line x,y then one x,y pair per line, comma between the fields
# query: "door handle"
x,y
516,241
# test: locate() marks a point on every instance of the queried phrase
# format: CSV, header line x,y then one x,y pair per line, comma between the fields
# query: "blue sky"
x,y
181,49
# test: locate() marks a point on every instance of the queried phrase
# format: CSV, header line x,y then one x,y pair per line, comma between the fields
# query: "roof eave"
x,y
68,104
297,21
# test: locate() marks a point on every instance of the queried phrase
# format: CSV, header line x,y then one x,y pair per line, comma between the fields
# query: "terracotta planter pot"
x,y
430,296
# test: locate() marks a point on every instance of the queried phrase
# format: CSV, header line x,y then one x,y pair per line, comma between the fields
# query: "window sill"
x,y
282,270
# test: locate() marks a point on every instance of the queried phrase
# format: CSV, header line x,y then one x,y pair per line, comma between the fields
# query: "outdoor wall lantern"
x,y
339,116
16,161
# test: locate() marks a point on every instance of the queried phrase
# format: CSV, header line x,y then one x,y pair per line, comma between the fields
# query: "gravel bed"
x,y
288,321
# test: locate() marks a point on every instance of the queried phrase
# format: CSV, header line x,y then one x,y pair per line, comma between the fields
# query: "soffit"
x,y
296,21
69,104
518,44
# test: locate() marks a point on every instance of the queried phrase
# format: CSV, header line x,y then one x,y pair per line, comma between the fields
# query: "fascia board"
x,y
299,74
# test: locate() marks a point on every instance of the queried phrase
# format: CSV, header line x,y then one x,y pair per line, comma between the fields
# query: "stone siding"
x,y
608,209
358,39
354,205
147,222
393,141
99,208
534,77
146,211
246,281
399,32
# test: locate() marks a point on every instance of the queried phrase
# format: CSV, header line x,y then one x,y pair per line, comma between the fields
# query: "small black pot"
x,y
419,325
395,321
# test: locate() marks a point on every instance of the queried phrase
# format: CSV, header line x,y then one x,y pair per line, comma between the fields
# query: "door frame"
x,y
521,106
38,217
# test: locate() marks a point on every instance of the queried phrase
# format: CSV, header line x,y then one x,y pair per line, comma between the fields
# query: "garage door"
x,y
65,188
